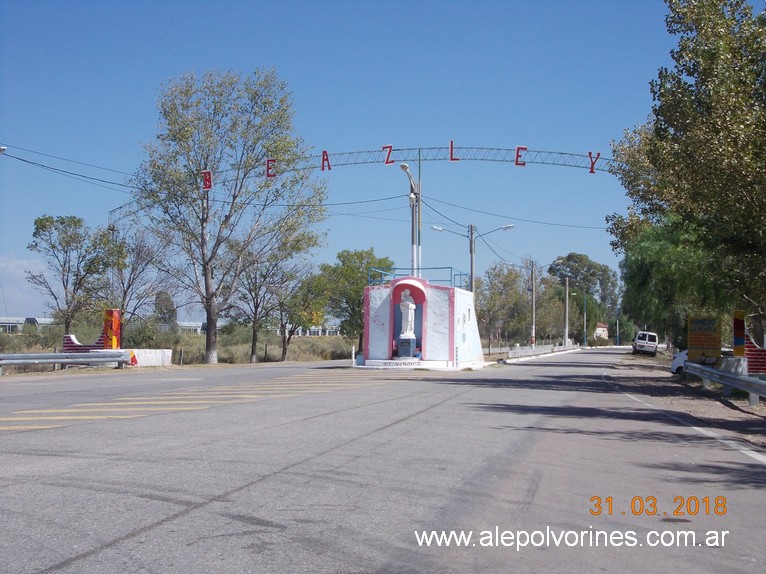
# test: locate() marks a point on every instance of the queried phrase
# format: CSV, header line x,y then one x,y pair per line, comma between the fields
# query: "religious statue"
x,y
407,306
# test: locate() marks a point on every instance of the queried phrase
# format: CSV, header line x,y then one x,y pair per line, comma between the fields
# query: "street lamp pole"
x,y
415,209
566,311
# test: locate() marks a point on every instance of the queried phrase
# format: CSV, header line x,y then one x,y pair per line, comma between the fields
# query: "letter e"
x,y
270,168
520,149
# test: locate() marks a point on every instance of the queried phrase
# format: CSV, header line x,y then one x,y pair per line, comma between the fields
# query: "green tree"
x,y
78,260
667,277
344,283
229,125
301,301
701,157
502,305
165,308
597,279
550,309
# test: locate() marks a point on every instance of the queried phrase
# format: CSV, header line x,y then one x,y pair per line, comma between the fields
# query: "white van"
x,y
645,342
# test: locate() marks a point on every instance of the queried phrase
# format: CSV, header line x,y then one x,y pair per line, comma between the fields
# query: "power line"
x,y
129,188
496,214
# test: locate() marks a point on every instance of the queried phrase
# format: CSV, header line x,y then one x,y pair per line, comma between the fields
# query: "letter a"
x,y
593,161
326,160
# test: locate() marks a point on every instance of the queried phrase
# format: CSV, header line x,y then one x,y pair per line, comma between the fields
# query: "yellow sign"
x,y
704,338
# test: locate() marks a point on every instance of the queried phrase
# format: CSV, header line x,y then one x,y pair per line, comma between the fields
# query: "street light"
x,y
415,203
472,243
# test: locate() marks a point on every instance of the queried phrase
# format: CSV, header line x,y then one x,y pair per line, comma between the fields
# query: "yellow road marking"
x,y
72,418
29,427
156,402
192,396
107,409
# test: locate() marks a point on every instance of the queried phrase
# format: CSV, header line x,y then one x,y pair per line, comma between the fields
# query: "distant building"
x,y
10,325
14,325
314,331
602,331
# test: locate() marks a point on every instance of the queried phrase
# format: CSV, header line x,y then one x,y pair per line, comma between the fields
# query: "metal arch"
x,y
515,155
505,155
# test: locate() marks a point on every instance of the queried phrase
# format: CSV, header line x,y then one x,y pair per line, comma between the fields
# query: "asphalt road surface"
x,y
546,465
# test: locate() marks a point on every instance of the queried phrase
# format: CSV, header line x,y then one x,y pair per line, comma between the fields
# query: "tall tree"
x,y
344,284
228,125
667,278
78,260
502,304
596,279
701,155
165,308
301,301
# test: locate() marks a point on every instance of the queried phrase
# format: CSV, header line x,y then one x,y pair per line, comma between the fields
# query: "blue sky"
x,y
79,81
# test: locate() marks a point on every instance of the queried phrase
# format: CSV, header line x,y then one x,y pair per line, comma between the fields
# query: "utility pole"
x,y
566,311
472,249
534,305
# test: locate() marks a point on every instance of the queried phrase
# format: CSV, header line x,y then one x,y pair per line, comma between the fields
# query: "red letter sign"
x,y
326,160
270,168
452,152
389,149
593,161
207,180
519,150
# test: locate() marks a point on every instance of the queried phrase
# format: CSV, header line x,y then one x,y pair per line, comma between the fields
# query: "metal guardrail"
x,y
754,387
119,357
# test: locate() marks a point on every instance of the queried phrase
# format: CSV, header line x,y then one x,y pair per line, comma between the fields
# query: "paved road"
x,y
314,469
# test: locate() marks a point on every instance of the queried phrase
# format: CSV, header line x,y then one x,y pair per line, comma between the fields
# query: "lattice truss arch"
x,y
389,154
591,162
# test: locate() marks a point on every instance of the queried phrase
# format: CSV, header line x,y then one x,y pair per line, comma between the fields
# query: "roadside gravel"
x,y
650,376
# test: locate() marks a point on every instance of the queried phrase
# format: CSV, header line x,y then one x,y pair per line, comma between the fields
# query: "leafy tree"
x,y
231,126
701,157
266,270
550,308
164,308
78,260
667,279
301,301
501,300
585,274
344,283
